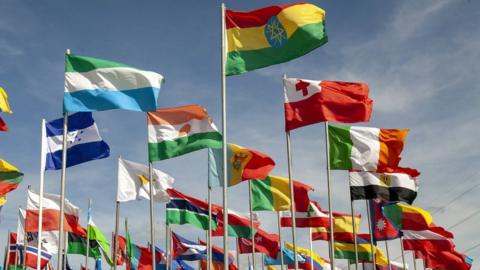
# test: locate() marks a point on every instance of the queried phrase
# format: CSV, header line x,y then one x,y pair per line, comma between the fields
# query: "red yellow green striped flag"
x,y
272,35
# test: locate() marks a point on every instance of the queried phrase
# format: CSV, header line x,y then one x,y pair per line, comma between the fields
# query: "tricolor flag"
x,y
187,250
93,84
315,217
183,209
394,186
238,224
342,228
83,141
273,194
242,164
10,177
365,148
133,182
272,35
346,250
308,102
177,131
51,214
407,217
266,243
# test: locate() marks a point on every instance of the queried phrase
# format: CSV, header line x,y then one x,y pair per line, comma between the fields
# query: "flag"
x,y
365,148
265,243
177,264
133,182
342,228
183,209
318,262
272,35
218,259
407,217
77,244
121,250
4,106
139,257
288,258
96,235
177,131
93,84
12,249
396,186
346,250
308,102
10,177
83,141
273,194
51,214
187,250
315,217
242,164
446,260
383,229
238,224
433,239
3,125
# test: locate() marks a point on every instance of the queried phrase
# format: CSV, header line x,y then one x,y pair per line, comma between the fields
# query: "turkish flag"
x,y
265,243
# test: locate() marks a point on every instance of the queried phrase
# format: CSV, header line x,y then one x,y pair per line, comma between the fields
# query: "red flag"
x,y
265,243
314,218
12,249
308,102
444,260
121,249
3,126
383,229
433,239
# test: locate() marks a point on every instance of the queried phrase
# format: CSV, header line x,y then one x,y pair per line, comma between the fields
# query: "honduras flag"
x,y
83,141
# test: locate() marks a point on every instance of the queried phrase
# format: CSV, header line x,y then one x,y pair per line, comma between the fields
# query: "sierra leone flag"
x,y
83,141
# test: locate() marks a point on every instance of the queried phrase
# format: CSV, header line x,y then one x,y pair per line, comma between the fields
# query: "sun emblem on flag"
x,y
381,225
275,32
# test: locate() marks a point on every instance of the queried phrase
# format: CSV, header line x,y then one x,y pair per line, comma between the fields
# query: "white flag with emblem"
x,y
133,182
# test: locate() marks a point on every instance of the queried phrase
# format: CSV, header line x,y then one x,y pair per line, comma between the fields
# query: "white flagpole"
x,y
388,255
224,137
7,252
168,240
61,242
280,239
311,247
238,256
354,226
414,260
152,221
370,231
170,258
43,153
209,232
88,233
252,233
292,195
330,206
403,252
115,236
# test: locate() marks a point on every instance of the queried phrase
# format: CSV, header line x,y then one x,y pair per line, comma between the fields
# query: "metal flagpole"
x,y
292,195
252,233
354,226
388,255
280,239
61,242
89,213
152,220
414,260
370,230
348,263
209,232
7,252
168,240
238,256
403,252
170,258
311,247
329,187
25,238
115,240
224,137
43,153
16,251
65,244
263,261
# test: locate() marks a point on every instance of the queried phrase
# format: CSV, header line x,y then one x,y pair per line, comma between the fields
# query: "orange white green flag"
x,y
177,131
365,148
272,35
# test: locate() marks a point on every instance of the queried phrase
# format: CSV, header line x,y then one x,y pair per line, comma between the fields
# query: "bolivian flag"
x,y
272,35
10,177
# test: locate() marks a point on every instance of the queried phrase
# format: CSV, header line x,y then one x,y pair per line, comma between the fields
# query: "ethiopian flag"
x,y
272,35
273,194
10,177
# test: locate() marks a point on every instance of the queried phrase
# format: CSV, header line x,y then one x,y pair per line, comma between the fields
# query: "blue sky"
x,y
420,59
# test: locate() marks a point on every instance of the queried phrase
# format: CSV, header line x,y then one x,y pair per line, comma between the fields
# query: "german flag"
x,y
272,35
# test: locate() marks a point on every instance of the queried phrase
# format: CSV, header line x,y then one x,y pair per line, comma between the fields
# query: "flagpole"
x,y
16,251
224,138
42,177
414,260
263,261
354,226
280,239
168,240
152,222
88,232
388,255
238,256
329,187
62,190
65,245
252,233
311,247
370,231
209,232
403,252
170,258
7,252
292,195
25,238
115,241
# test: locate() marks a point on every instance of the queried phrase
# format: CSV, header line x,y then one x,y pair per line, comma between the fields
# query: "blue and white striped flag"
x,y
83,141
